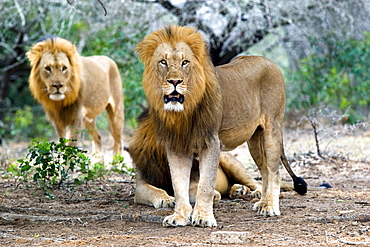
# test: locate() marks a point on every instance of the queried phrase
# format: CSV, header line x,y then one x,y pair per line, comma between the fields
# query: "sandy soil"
x,y
103,212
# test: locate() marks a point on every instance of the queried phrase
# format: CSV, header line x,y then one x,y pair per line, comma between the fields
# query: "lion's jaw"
x,y
173,66
55,73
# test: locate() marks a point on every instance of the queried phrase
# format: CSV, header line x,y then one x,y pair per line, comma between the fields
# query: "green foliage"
x,y
25,123
119,166
339,78
19,174
52,163
135,99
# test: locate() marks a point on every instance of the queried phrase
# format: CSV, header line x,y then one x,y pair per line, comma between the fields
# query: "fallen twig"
x,y
9,217
353,243
330,219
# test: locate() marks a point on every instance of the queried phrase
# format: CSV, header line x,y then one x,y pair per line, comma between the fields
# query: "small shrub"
x,y
119,166
52,163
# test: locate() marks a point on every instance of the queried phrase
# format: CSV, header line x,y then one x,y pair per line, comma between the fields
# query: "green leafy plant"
x,y
119,166
97,170
19,174
52,163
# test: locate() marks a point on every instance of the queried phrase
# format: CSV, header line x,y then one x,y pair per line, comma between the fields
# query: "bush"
x,y
339,79
53,163
26,123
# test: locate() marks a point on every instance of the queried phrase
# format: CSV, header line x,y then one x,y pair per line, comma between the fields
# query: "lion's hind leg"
x,y
238,173
265,147
116,124
95,134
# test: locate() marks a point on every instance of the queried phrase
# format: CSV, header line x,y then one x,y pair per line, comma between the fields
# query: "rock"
x,y
230,237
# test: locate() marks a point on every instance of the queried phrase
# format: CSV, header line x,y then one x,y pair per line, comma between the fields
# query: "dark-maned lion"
x,y
74,90
195,108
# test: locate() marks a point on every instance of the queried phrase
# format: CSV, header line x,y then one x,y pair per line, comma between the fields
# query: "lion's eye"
x,y
64,68
48,69
163,62
185,62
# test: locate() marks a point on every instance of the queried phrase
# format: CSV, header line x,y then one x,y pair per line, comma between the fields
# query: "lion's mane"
x,y
197,125
54,46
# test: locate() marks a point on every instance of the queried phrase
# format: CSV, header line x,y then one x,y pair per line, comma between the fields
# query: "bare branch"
x,y
20,12
105,10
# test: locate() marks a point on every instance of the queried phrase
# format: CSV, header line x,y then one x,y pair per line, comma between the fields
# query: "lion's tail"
x,y
300,186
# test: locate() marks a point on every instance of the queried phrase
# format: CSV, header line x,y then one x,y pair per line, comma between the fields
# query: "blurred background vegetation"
x,y
321,46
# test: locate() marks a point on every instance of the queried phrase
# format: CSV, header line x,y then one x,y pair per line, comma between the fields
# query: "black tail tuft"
x,y
300,186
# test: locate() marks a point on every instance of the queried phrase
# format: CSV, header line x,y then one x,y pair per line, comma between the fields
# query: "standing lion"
x,y
196,108
74,90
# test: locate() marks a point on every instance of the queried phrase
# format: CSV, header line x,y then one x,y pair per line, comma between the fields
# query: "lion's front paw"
x,y
203,220
264,209
167,202
176,220
238,190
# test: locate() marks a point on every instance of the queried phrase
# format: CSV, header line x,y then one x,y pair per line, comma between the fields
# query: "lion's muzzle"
x,y
58,94
174,96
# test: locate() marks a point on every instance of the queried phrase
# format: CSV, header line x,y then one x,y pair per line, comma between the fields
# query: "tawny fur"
x,y
245,103
74,90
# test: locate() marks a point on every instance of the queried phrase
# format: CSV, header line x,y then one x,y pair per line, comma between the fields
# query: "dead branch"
x,y
353,243
342,218
15,217
148,218
13,236
314,126
70,2
105,10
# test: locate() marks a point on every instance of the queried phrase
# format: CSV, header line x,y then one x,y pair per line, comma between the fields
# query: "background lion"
x,y
195,109
74,90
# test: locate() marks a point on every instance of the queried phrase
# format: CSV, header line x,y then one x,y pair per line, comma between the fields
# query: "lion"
x,y
74,90
194,107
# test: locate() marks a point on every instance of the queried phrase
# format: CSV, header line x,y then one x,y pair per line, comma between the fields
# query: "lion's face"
x,y
55,73
173,66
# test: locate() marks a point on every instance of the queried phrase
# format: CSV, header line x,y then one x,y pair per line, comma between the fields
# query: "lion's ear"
x,y
146,50
34,54
73,48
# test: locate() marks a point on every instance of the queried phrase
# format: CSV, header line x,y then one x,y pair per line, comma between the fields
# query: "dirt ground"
x,y
103,213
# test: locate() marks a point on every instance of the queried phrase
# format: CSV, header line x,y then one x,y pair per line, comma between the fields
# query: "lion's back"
x,y
101,79
252,88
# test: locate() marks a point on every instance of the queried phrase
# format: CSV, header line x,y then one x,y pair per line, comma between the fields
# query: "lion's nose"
x,y
174,82
57,85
